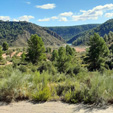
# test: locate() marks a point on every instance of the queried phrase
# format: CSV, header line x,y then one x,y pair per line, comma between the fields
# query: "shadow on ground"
x,y
4,103
89,108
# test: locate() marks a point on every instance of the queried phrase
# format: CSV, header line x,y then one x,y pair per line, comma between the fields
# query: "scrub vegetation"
x,y
44,74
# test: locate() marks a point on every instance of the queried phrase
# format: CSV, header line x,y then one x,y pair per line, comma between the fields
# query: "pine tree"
x,y
63,60
69,51
54,55
5,46
36,49
98,51
106,38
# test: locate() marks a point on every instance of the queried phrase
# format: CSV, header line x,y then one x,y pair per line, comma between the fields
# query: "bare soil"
x,y
80,49
19,54
51,107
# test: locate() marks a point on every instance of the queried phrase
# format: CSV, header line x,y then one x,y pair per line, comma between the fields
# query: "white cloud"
x,y
64,19
28,3
66,14
25,18
16,20
44,20
82,15
48,19
4,18
46,6
93,13
109,15
83,11
54,17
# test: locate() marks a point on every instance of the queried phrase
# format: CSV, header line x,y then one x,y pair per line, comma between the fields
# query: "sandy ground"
x,y
51,107
19,54
4,56
80,49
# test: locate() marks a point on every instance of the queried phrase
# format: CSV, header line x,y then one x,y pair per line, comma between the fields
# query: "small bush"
x,y
42,94
22,68
9,52
9,59
3,62
47,66
13,87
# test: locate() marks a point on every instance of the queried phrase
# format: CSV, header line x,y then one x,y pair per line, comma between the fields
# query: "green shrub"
x,y
22,68
9,52
68,96
16,61
3,62
40,91
13,87
9,59
5,71
101,88
47,66
33,68
72,94
41,94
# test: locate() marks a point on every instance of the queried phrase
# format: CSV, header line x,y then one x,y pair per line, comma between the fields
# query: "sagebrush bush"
x,y
26,81
5,71
101,88
3,62
22,68
47,66
13,87
9,59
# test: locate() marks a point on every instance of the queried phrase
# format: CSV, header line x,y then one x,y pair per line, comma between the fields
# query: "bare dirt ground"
x,y
13,54
4,56
51,107
8,63
80,49
19,54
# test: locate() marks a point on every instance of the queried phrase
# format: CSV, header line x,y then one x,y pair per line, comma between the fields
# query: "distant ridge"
x,y
68,32
83,38
17,33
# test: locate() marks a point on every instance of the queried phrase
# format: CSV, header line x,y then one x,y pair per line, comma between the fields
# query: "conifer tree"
x,y
54,55
36,49
98,51
5,46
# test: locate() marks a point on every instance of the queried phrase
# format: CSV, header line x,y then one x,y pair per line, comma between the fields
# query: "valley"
x,y
56,56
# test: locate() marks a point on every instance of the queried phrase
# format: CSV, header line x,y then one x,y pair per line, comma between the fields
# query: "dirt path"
x,y
51,107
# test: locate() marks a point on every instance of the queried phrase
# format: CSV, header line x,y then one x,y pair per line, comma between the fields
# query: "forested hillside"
x,y
17,33
69,32
83,38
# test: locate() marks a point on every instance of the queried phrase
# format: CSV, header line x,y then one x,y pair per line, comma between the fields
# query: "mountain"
x,y
83,38
69,32
17,33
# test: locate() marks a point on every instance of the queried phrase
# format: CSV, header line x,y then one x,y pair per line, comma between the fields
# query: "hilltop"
x,y
83,38
17,33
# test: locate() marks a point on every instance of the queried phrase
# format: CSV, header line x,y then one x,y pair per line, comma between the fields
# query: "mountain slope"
x,y
17,33
68,32
82,38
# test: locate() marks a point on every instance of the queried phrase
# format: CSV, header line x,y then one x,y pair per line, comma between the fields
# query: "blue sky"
x,y
57,12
